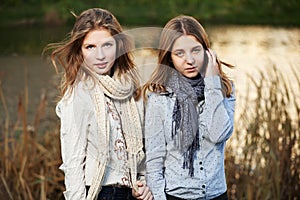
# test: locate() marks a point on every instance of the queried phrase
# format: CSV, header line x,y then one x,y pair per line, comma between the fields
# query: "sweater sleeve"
x,y
74,117
155,145
218,114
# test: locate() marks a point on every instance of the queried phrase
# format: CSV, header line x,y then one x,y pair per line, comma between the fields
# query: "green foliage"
x,y
148,13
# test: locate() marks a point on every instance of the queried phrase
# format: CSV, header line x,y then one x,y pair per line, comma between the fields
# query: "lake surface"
x,y
249,48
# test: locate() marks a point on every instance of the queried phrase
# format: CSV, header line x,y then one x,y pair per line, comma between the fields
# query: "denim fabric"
x,y
221,197
114,193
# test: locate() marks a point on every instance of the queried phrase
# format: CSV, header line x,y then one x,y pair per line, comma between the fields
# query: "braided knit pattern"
x,y
120,92
115,89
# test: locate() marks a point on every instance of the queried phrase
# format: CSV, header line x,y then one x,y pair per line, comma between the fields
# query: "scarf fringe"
x,y
189,155
188,92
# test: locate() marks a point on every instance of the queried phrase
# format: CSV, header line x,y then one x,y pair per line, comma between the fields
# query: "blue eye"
x,y
90,47
179,53
197,50
107,45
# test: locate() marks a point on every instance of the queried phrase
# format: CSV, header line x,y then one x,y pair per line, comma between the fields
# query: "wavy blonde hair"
x,y
68,53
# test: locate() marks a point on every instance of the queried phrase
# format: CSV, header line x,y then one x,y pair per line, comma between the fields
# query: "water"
x,y
249,48
255,49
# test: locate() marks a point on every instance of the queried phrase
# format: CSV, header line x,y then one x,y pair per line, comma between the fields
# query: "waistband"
x,y
221,197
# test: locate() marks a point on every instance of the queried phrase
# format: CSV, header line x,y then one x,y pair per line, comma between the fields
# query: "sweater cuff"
x,y
213,82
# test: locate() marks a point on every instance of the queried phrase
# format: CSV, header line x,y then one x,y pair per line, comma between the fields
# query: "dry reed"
x,y
267,166
29,160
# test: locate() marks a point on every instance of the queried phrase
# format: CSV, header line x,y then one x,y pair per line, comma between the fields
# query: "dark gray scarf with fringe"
x,y
185,129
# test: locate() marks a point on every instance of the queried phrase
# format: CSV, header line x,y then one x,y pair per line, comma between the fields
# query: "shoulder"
x,y
213,82
77,98
140,105
160,101
82,92
158,96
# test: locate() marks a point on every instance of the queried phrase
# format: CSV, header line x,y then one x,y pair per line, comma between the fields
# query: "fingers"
x,y
143,192
148,196
137,193
212,56
212,66
140,184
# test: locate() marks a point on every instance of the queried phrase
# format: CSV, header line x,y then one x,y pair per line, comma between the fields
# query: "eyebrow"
x,y
110,40
197,46
93,43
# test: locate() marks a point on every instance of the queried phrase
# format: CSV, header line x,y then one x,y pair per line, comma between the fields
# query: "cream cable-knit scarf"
x,y
120,91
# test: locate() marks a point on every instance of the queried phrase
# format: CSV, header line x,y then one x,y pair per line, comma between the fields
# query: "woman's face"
x,y
188,55
99,51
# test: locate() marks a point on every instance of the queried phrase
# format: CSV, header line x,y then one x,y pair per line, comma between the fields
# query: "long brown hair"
x,y
176,27
68,52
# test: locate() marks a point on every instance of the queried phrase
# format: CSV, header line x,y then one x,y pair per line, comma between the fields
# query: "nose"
x,y
190,59
100,54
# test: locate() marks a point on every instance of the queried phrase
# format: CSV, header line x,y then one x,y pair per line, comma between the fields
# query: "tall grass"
x,y
266,166
28,160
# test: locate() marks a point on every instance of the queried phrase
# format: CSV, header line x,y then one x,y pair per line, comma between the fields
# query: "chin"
x,y
191,75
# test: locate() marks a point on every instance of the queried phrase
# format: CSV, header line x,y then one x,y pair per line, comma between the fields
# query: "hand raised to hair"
x,y
212,65
143,192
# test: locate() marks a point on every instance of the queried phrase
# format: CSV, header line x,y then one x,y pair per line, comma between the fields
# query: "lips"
x,y
191,68
101,65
